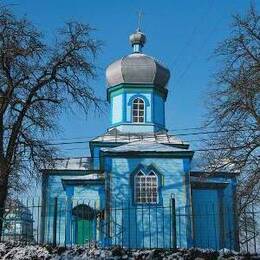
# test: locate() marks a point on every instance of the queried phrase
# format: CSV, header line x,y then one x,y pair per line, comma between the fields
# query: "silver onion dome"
x,y
137,68
137,38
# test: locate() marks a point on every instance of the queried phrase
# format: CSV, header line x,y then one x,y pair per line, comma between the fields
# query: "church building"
x,y
138,189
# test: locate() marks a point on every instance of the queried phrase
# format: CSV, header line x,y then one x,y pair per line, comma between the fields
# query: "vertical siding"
x,y
158,110
138,222
214,217
117,109
206,218
54,189
96,162
68,197
229,225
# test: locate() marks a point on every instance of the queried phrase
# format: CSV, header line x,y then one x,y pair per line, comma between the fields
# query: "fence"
x,y
64,222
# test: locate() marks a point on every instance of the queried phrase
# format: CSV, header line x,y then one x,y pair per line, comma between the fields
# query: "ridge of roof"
x,y
143,146
114,135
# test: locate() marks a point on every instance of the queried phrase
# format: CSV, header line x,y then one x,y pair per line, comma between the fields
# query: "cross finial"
x,y
140,16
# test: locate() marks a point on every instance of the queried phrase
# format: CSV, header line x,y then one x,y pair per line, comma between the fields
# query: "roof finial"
x,y
138,38
140,16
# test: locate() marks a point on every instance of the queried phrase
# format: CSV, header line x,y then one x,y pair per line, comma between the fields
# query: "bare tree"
x,y
37,82
234,108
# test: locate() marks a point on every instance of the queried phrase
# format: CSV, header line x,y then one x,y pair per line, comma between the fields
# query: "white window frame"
x,y
143,188
138,116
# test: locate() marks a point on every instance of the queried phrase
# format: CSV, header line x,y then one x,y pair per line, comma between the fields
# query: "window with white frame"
x,y
138,110
146,187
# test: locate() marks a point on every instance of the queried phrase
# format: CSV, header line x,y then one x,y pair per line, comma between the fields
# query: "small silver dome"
x,y
137,68
137,38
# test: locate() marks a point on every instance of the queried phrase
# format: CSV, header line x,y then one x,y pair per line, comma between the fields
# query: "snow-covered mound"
x,y
20,251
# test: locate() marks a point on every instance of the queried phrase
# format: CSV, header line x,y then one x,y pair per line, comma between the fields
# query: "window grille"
x,y
146,188
138,111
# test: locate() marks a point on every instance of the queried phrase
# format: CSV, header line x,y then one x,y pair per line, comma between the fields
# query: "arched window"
x,y
146,187
138,110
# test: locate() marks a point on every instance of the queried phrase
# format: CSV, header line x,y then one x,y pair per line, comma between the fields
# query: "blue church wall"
x,y
117,109
96,163
88,194
52,189
172,184
214,214
146,225
137,128
95,151
68,196
229,209
121,99
122,107
206,226
158,110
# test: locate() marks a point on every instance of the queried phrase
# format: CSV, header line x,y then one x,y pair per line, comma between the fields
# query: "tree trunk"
x,y
3,194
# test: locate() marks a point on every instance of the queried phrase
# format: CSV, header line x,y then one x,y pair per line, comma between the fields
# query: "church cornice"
x,y
70,172
123,87
134,154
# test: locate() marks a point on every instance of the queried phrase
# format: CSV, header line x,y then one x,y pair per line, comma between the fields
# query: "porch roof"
x,y
70,163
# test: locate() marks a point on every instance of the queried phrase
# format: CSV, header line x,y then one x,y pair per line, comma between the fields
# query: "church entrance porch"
x,y
84,223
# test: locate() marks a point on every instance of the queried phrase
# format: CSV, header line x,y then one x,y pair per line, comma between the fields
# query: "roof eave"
x,y
149,153
209,174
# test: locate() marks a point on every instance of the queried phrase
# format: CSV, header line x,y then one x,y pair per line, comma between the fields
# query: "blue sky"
x,y
182,34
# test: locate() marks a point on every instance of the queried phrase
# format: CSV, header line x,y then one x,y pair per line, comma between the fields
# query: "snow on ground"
x,y
21,251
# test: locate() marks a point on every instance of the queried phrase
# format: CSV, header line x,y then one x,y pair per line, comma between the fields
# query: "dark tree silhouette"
x,y
37,82
234,109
